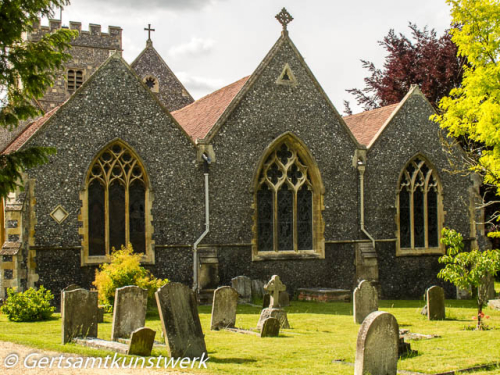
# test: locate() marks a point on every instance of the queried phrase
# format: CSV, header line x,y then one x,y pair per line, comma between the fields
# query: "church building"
x,y
261,177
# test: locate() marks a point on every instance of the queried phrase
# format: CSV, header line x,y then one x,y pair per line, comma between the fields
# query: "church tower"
x,y
156,74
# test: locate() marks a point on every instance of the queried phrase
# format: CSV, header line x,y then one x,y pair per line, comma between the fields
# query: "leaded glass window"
x,y
418,210
117,189
284,202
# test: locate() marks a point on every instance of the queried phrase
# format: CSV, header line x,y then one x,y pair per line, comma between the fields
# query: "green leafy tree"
x,y
27,70
468,269
472,110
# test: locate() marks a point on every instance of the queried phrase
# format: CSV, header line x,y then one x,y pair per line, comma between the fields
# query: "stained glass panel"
x,y
137,198
116,215
418,218
265,219
404,218
96,219
285,218
432,218
304,219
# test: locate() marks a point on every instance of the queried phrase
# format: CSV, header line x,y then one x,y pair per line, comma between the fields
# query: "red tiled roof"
x,y
365,125
199,117
28,132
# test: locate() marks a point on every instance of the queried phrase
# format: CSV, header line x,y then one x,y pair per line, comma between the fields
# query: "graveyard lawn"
x,y
320,334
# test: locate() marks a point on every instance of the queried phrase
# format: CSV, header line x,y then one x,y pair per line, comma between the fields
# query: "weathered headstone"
x,y
100,314
266,301
365,301
377,345
435,303
142,341
257,289
224,308
243,286
79,314
494,304
129,312
180,321
284,299
274,287
69,288
270,328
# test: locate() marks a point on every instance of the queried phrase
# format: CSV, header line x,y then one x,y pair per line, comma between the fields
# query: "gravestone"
x,y
494,304
69,288
435,303
224,308
243,286
257,289
79,314
142,341
274,287
284,299
377,345
180,321
129,312
270,328
365,301
266,301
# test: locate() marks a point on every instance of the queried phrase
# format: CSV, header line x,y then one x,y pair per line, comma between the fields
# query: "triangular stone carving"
x,y
287,77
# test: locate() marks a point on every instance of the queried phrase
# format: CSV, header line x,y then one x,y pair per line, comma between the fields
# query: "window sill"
x,y
96,260
401,252
286,255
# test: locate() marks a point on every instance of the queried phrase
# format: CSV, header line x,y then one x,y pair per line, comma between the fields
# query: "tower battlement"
x,y
93,37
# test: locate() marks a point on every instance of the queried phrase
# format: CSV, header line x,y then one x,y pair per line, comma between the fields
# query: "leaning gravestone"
x,y
435,303
79,314
129,312
365,301
270,328
377,345
141,342
224,308
180,321
274,287
243,286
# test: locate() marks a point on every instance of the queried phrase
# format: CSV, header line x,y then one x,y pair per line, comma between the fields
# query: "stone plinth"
x,y
324,295
279,314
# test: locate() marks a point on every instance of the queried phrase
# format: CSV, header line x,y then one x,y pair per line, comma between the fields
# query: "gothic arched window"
x,y
419,209
117,202
288,195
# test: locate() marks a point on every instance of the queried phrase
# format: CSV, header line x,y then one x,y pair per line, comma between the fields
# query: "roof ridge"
x,y
372,110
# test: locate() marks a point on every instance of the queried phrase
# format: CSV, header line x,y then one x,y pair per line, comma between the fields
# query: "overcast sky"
x,y
212,43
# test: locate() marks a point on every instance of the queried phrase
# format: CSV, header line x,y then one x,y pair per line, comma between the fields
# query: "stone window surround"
x,y
86,259
156,86
75,70
318,227
440,250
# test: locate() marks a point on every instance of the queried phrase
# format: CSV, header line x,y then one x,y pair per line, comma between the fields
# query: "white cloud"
x,y
194,48
156,4
200,85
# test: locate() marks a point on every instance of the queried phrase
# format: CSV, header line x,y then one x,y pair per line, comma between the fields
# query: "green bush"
x,y
124,270
29,306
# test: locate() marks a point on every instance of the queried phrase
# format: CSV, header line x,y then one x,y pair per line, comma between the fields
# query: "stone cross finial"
x,y
149,29
274,287
284,18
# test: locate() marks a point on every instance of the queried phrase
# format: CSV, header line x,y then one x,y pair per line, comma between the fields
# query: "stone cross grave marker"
x,y
365,301
180,321
142,341
377,345
435,303
79,314
274,287
224,307
129,312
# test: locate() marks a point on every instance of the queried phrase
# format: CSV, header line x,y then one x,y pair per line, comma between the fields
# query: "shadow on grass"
x,y
231,360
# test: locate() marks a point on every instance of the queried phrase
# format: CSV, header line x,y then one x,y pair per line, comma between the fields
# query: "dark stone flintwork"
x,y
270,328
79,315
180,321
224,307
377,345
435,303
142,341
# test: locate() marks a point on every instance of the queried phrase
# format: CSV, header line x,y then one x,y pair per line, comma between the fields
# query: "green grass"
x,y
320,333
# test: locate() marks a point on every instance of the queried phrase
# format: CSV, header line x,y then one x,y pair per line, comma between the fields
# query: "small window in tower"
x,y
74,79
152,83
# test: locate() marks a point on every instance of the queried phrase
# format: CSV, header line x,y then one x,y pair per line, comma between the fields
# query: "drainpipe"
x,y
206,163
361,169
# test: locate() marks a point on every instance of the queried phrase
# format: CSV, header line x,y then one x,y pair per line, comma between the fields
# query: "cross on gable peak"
x,y
149,29
284,18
